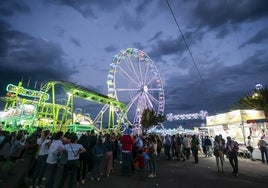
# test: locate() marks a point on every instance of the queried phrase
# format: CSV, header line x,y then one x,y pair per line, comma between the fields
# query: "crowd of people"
x,y
96,154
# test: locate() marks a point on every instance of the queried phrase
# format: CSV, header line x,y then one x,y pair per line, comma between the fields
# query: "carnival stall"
x,y
238,124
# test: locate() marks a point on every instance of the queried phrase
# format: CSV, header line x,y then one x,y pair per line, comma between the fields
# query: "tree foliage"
x,y
149,118
258,100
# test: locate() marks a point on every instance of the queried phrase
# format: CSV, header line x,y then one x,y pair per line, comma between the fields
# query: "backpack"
x,y
235,147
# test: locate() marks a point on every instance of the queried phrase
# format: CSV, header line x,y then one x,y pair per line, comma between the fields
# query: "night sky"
x,y
209,53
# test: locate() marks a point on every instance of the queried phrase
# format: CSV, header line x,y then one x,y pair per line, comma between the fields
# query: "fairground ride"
x,y
134,79
28,109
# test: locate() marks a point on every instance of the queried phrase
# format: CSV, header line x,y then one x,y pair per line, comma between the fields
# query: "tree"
x,y
258,100
149,118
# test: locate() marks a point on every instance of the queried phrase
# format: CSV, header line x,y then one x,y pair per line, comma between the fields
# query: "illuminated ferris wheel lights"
x,y
137,74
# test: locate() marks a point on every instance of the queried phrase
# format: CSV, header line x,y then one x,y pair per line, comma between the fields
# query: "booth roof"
x,y
257,120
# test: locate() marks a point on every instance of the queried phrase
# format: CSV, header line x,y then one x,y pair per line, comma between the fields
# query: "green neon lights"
x,y
26,92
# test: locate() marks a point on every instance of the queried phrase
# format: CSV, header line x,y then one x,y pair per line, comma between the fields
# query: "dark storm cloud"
x,y
60,31
138,45
10,7
222,32
110,49
173,45
224,86
75,41
156,36
130,22
30,58
89,9
166,47
213,13
261,36
134,20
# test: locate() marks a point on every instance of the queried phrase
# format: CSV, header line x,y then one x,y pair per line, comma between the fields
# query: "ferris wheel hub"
x,y
145,88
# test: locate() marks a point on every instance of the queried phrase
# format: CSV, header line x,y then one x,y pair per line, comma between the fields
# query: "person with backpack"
x,y
232,148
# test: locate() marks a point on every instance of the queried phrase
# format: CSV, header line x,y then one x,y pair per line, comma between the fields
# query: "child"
x,y
140,163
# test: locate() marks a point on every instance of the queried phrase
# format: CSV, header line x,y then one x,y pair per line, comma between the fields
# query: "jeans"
x,y
98,163
70,170
234,162
126,163
52,168
152,164
167,151
264,153
40,169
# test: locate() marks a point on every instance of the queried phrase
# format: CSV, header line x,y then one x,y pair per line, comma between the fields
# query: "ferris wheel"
x,y
134,80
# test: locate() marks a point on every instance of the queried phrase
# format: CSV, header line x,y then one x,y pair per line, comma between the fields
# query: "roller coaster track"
x,y
45,101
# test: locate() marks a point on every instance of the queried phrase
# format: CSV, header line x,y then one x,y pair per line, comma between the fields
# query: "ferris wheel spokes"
x,y
127,89
152,98
131,67
155,76
127,76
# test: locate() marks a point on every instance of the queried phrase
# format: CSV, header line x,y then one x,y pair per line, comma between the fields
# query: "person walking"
x,y
262,144
98,152
218,151
167,146
92,139
180,148
83,160
208,146
127,142
195,147
108,156
187,146
152,156
232,148
250,147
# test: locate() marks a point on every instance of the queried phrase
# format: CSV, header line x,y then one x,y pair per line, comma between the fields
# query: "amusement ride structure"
x,y
28,109
134,79
134,84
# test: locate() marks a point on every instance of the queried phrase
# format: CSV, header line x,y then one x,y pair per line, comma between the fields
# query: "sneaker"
x,y
150,176
91,178
108,175
98,179
83,181
77,183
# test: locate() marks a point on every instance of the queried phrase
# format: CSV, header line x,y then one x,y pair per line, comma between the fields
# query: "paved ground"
x,y
188,175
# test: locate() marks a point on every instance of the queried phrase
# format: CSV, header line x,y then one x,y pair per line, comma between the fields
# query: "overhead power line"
x,y
187,46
